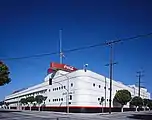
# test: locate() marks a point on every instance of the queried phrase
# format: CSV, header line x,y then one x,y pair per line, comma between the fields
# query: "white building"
x,y
85,91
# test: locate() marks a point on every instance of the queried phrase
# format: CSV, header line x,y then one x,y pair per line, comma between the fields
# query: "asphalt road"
x,y
74,116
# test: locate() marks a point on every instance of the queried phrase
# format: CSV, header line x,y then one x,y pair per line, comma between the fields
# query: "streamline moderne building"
x,y
85,88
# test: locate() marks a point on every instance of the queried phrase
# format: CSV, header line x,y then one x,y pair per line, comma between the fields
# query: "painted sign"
x,y
58,66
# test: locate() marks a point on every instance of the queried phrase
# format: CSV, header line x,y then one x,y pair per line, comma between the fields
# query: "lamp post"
x,y
67,89
18,104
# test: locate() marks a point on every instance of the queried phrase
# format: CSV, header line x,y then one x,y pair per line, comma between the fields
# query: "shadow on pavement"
x,y
141,116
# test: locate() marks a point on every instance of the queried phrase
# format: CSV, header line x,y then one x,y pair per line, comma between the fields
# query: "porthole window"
x,y
64,87
107,99
49,90
53,89
61,99
99,86
59,88
56,88
71,84
93,84
49,100
98,99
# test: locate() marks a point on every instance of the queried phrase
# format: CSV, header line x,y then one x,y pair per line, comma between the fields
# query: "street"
x,y
35,115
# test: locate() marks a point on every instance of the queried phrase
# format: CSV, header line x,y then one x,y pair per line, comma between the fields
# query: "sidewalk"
x,y
9,110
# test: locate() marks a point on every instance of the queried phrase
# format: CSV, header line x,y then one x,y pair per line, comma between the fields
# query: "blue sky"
x,y
32,27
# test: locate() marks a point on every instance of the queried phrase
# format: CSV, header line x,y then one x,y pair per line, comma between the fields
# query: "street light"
x,y
67,89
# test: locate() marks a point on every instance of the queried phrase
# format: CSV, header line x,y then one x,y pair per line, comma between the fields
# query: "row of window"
x,y
60,99
28,95
100,99
98,85
59,88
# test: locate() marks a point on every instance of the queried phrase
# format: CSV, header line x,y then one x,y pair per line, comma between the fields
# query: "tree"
x,y
1,103
122,97
4,74
30,99
145,103
23,101
101,102
6,104
137,101
149,104
40,99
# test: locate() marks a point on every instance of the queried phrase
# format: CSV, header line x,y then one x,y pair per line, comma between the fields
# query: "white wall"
x,y
83,91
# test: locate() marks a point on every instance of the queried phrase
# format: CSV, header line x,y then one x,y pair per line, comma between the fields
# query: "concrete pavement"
x,y
9,110
35,115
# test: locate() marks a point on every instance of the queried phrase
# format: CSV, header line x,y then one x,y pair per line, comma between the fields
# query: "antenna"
x,y
60,45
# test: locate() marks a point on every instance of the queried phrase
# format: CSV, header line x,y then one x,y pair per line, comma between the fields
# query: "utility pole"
x,y
105,91
139,81
111,43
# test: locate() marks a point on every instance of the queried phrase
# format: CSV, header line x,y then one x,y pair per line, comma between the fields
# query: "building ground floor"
x,y
76,109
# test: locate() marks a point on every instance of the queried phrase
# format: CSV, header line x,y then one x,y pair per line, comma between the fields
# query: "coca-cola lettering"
x,y
68,67
58,66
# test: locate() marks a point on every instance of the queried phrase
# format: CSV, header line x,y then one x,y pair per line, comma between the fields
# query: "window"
x,y
64,87
49,100
98,99
59,88
71,84
56,88
69,103
99,86
53,89
70,97
61,99
49,90
93,84
53,100
56,99
107,99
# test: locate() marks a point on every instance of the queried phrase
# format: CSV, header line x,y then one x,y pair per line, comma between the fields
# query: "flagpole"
x,y
61,54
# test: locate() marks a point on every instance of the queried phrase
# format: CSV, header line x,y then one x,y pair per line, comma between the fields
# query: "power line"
x,y
32,56
80,48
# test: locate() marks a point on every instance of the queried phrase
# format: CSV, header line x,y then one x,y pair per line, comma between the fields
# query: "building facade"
x,y
80,90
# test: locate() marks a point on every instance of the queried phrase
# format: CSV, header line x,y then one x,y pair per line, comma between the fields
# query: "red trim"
x,y
75,107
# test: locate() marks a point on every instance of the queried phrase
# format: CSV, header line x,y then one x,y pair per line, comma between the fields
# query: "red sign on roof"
x,y
58,66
